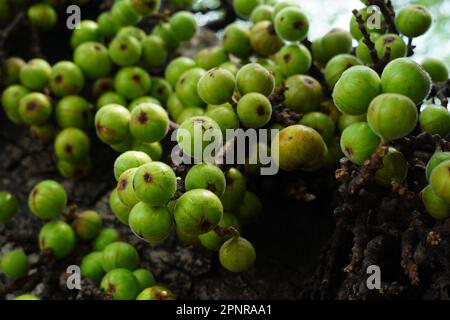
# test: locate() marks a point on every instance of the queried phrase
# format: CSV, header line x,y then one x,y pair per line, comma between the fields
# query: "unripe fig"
x,y
11,97
437,207
149,123
198,211
369,16
404,76
165,32
294,59
57,238
121,284
176,68
72,144
435,120
152,224
183,25
320,122
206,176
436,160
125,189
346,120
14,264
355,90
66,78
395,169
244,8
132,82
47,200
155,183
255,78
359,142
154,51
112,123
440,180
395,44
254,110
291,24
35,108
156,293
210,58
186,88
413,20
128,160
337,66
145,278
299,148
216,86
436,68
236,40
392,116
86,31
93,58
120,210
120,255
334,42
74,112
104,238
91,266
264,40
303,93
237,255
125,51
87,224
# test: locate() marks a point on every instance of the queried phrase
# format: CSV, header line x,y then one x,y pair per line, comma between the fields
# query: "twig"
x,y
369,43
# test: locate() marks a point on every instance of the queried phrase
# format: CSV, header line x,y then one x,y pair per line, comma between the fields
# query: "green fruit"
x,y
125,50
291,24
209,58
156,293
44,134
225,117
66,79
86,31
152,224
211,240
35,108
111,123
394,42
123,14
440,180
303,93
196,134
362,50
10,100
132,31
336,41
128,160
250,208
133,104
216,86
154,51
369,17
14,264
188,113
254,110
13,65
244,8
132,82
120,210
318,54
183,25
236,40
145,279
404,76
261,13
206,176
436,68
145,7
42,16
35,74
106,25
155,183
120,284
186,88
255,78
395,169
237,255
57,238
93,58
392,116
125,189
105,237
72,144
87,224
435,120
236,186
294,59
337,66
347,120
91,266
47,200
436,207
161,90
75,170
436,160
298,148
176,68
119,255
110,97
165,32
8,206
280,5
413,20
153,150
27,297
359,142
74,112
149,122
264,40
320,122
198,211
355,90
